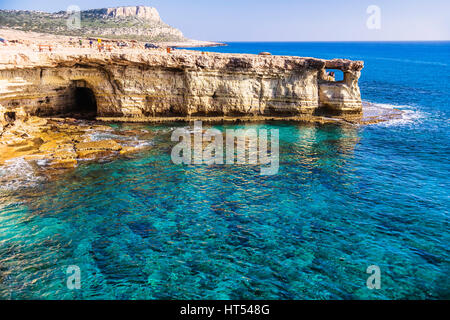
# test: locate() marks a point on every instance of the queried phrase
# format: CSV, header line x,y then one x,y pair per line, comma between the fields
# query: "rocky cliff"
x,y
145,84
139,23
142,12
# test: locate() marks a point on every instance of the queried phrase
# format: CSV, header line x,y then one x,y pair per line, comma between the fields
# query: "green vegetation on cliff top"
x,y
93,23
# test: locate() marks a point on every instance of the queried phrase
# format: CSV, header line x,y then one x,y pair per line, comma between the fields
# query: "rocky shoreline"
x,y
40,91
139,84
62,143
371,114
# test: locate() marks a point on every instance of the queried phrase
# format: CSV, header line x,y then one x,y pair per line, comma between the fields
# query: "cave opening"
x,y
85,104
10,117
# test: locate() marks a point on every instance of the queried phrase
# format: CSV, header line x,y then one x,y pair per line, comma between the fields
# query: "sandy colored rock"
x,y
48,146
64,164
141,84
35,157
93,154
143,12
126,150
65,154
59,143
108,145
101,128
36,121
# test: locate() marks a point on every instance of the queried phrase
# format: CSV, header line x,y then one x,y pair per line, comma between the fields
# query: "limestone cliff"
x,y
182,83
142,12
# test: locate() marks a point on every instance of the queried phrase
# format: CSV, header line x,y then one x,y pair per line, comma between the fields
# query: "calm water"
x,y
345,198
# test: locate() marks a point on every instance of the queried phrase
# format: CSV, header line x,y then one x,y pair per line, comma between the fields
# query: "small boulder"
x,y
109,145
126,150
93,154
63,164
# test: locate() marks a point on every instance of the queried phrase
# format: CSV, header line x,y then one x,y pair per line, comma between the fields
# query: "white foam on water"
x,y
143,144
124,140
16,174
409,115
441,64
42,162
98,136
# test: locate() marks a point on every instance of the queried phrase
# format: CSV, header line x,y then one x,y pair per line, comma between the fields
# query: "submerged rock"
x,y
108,145
56,144
64,164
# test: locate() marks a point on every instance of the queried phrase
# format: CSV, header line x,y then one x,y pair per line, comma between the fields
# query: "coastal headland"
x,y
135,83
50,85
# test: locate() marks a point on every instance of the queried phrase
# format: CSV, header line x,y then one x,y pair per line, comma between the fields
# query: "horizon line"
x,y
309,41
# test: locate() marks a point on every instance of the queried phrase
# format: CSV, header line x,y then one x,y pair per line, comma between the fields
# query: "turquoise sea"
x,y
345,198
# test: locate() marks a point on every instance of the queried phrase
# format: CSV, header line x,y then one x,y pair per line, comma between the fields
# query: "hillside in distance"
x,y
138,23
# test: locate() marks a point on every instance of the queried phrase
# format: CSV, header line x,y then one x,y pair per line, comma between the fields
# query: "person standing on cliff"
x,y
99,45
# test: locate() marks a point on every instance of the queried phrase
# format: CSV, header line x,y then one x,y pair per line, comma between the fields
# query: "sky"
x,y
285,20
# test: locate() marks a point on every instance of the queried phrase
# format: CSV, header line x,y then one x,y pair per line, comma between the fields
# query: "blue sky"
x,y
284,20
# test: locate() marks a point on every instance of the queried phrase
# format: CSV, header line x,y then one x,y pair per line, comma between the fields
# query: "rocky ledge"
x,y
44,96
57,143
143,84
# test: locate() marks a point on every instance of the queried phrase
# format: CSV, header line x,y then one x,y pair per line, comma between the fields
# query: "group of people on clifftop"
x,y
103,45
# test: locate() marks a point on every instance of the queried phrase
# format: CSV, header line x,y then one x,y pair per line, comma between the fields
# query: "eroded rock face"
x,y
62,143
183,83
143,12
341,96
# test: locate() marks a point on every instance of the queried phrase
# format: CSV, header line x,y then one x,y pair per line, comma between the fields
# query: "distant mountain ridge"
x,y
136,22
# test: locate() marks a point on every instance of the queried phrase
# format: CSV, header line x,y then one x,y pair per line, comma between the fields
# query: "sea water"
x,y
345,198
